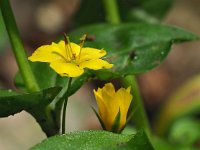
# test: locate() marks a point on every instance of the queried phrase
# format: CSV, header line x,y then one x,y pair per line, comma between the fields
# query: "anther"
x,y
82,40
65,38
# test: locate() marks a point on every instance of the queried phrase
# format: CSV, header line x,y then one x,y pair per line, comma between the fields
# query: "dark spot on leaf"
x,y
132,55
120,144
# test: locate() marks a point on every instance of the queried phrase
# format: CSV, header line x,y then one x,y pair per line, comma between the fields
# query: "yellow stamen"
x,y
70,48
66,48
60,56
82,40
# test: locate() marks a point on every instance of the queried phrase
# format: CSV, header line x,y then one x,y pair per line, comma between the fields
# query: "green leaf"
x,y
4,93
96,140
183,102
83,140
132,48
34,103
139,142
11,102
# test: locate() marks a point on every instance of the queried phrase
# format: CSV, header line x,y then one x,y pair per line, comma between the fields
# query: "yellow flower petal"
x,y
108,93
109,89
101,104
128,89
75,48
124,99
88,53
105,100
104,111
48,53
69,49
95,64
67,69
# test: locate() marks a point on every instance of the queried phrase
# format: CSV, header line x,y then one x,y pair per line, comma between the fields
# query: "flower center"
x,y
71,55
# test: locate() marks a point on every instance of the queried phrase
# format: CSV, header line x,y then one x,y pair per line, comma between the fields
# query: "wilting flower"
x,y
112,107
70,59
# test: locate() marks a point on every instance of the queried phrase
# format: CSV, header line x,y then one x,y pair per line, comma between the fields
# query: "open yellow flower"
x,y
113,107
70,59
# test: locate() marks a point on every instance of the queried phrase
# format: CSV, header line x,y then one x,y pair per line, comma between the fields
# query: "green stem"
x,y
17,46
65,106
112,14
139,117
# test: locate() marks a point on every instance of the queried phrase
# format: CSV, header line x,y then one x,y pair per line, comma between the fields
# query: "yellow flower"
x,y
113,107
70,59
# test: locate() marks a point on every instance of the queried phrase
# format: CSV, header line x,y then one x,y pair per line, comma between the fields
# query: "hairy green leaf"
x,y
139,142
96,140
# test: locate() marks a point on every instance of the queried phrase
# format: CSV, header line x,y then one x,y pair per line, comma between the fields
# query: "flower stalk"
x,y
17,47
139,116
65,105
112,13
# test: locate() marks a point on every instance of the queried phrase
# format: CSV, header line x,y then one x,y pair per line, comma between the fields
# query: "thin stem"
x,y
112,14
65,106
139,117
17,47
